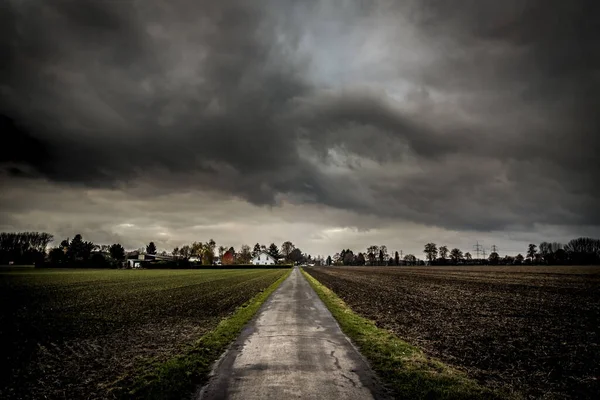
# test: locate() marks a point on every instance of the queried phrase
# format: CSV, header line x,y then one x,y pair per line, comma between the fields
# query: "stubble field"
x,y
70,333
531,330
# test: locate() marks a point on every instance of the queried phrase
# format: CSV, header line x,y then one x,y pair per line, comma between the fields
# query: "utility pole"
x,y
494,248
484,253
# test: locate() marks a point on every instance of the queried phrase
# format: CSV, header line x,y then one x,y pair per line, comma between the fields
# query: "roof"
x,y
265,253
137,255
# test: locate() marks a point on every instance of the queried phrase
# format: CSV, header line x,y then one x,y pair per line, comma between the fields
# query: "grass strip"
x,y
403,368
179,376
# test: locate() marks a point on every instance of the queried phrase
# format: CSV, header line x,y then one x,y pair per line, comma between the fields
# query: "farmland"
x,y
71,333
530,330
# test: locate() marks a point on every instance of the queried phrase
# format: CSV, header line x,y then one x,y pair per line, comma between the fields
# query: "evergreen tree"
x,y
151,248
117,252
256,250
360,259
274,251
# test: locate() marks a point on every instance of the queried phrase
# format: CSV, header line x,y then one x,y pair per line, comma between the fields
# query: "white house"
x,y
263,258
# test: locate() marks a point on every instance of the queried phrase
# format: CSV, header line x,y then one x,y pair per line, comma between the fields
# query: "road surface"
x,y
293,349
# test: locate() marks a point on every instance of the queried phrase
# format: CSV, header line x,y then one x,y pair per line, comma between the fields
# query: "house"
x,y
263,258
136,259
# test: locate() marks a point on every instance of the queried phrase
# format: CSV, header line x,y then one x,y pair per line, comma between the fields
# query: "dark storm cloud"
x,y
210,101
468,114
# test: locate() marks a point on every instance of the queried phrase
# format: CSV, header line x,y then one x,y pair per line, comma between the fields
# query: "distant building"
x,y
136,259
228,258
263,258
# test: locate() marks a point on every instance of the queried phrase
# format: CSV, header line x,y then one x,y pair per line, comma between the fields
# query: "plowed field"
x,y
70,333
533,330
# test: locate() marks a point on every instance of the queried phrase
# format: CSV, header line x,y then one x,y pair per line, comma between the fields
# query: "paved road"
x,y
293,349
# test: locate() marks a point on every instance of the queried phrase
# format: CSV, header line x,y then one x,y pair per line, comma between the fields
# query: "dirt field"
x,y
534,330
69,333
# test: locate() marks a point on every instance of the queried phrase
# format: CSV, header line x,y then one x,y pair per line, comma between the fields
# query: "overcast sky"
x,y
329,123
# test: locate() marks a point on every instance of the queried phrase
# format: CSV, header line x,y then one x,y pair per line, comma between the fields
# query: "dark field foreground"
x,y
532,330
71,333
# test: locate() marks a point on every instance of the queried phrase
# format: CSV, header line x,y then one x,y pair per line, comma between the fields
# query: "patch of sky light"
x,y
352,45
330,233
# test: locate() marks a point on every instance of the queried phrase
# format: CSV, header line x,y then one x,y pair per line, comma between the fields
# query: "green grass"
x,y
180,375
405,369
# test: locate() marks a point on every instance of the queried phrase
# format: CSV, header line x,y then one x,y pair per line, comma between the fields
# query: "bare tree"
x,y
443,253
430,252
185,252
584,250
245,254
531,252
372,253
208,252
410,259
197,249
468,257
383,249
287,248
456,255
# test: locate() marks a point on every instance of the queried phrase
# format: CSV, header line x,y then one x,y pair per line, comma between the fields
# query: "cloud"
x,y
133,219
469,116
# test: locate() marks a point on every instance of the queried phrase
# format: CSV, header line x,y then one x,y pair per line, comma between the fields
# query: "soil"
x,y
534,331
71,333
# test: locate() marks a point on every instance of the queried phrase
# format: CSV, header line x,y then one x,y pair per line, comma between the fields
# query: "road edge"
x,y
244,332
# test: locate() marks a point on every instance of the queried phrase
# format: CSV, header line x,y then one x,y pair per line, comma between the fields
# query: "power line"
x,y
477,247
494,248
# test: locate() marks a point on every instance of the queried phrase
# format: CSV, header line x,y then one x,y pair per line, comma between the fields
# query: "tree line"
x,y
32,248
26,248
23,247
79,253
580,251
374,255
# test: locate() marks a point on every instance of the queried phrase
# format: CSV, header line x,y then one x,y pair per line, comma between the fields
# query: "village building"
x,y
136,259
263,258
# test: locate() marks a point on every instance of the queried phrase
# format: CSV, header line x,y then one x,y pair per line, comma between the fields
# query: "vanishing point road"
x,y
293,349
